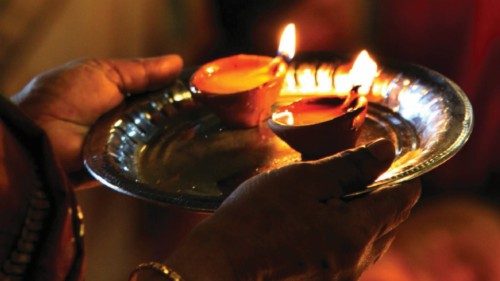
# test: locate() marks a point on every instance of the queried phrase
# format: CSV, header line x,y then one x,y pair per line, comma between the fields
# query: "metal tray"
x,y
165,148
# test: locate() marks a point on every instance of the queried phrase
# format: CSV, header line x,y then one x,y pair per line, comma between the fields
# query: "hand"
x,y
292,222
66,101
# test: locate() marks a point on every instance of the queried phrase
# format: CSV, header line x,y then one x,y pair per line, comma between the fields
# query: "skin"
x,y
291,224
287,224
67,100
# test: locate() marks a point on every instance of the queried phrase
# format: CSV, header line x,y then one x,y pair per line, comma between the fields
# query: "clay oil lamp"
x,y
241,89
322,125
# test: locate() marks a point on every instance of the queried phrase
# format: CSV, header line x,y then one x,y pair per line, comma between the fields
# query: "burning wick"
x,y
287,45
321,126
362,73
241,89
361,76
359,79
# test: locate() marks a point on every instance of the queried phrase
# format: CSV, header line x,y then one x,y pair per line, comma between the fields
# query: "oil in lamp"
x,y
241,89
326,124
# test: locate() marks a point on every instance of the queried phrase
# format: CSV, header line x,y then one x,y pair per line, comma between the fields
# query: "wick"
x,y
276,62
355,89
283,57
353,95
355,92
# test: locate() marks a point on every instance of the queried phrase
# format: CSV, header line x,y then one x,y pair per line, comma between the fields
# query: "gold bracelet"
x,y
151,269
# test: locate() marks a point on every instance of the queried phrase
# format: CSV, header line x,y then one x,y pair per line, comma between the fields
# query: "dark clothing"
x,y
50,248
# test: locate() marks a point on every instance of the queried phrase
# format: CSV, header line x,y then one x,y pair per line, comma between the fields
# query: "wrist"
x,y
202,256
154,271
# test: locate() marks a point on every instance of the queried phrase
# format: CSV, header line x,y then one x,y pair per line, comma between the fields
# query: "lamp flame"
x,y
363,72
287,42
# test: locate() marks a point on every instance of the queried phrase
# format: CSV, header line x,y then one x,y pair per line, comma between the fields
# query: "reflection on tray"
x,y
164,148
207,160
202,158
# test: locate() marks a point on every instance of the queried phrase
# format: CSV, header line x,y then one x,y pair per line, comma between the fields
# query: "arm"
x,y
66,101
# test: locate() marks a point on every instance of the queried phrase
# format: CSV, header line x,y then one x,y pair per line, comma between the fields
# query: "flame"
x,y
287,42
343,84
324,76
290,83
285,117
363,72
328,79
306,77
309,78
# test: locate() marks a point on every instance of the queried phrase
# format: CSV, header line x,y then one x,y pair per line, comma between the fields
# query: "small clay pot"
x,y
327,137
243,108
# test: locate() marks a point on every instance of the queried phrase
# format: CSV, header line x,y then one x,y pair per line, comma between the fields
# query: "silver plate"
x,y
164,148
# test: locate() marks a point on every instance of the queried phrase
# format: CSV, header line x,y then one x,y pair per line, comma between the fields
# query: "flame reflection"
x,y
329,79
284,117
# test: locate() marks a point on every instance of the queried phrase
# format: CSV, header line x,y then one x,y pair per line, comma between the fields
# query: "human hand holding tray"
x,y
165,148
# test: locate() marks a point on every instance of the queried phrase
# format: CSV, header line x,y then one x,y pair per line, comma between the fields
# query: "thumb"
x,y
386,208
139,75
353,170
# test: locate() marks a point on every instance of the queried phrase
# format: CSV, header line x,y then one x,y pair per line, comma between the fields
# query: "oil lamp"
x,y
326,124
241,89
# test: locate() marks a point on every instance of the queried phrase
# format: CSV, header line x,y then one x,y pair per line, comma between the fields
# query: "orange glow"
x,y
315,110
363,72
236,74
287,42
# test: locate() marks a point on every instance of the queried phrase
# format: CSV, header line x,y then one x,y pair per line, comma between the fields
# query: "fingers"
x,y
381,245
139,75
383,210
353,170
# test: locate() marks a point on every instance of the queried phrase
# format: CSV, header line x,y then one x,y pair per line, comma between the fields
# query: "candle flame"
x,y
287,42
363,72
285,117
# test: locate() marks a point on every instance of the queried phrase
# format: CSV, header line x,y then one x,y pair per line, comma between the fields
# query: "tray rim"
x,y
98,166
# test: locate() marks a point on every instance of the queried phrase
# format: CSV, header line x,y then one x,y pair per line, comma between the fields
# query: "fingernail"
x,y
381,149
